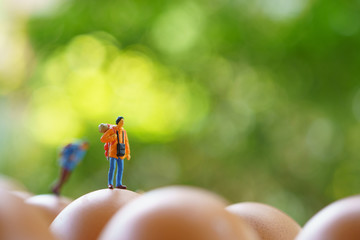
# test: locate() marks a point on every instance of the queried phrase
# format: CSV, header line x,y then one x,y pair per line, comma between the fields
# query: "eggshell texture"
x,y
19,221
177,213
50,205
269,222
338,221
85,217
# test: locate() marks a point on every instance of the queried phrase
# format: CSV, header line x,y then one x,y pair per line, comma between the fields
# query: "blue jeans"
x,y
119,173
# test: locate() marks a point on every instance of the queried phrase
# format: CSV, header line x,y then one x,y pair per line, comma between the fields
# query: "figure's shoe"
x,y
121,187
110,186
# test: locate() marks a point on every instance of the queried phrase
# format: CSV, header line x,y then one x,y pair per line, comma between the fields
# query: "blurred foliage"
x,y
255,100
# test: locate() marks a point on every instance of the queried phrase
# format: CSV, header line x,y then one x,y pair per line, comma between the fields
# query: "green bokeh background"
x,y
254,100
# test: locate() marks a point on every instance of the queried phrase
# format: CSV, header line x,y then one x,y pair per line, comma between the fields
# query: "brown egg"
x,y
50,205
338,221
269,222
22,194
19,221
85,217
8,183
177,213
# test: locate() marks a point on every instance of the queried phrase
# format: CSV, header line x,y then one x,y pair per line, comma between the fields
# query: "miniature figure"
x,y
70,156
117,150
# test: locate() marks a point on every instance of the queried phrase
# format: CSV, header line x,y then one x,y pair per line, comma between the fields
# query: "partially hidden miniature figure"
x,y
116,150
70,156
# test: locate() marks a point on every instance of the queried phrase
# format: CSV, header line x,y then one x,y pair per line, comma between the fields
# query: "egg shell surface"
x,y
85,217
270,223
177,212
50,205
11,184
19,221
338,221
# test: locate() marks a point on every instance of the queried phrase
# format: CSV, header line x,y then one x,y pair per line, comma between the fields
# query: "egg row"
x,y
174,213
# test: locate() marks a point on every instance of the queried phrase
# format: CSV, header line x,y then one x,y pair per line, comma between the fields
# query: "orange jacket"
x,y
110,137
